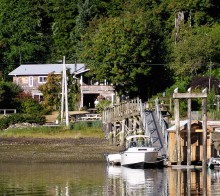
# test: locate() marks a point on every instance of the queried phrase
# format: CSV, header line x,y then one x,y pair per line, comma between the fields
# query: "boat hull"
x,y
140,159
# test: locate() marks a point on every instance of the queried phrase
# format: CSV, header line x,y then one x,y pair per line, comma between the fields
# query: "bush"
x,y
28,105
21,118
102,105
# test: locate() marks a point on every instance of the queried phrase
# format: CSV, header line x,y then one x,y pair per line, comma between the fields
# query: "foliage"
x,y
73,91
28,105
130,43
8,93
191,55
63,15
24,34
211,83
86,11
121,47
51,91
211,100
102,105
20,118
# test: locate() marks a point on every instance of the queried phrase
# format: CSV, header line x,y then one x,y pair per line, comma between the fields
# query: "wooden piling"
x,y
122,133
177,123
189,131
204,163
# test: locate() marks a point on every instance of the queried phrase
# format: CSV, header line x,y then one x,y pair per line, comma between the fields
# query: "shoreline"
x,y
44,150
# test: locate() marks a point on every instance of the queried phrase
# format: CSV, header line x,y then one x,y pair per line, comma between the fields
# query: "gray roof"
x,y
45,69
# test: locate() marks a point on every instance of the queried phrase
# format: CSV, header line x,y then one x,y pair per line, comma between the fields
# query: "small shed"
x,y
196,141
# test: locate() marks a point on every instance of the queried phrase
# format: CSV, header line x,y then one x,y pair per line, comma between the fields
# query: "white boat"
x,y
113,159
140,153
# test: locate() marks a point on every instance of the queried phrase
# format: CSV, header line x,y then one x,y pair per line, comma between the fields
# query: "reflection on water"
x,y
52,179
98,179
138,181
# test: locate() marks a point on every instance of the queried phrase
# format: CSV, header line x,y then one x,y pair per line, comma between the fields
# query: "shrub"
x,y
28,105
21,118
102,105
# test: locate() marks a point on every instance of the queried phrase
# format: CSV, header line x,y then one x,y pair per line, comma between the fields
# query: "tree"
x,y
73,91
196,52
24,32
51,91
119,49
63,14
8,94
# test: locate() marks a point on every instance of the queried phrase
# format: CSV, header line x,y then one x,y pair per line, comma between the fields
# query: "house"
x,y
196,141
31,76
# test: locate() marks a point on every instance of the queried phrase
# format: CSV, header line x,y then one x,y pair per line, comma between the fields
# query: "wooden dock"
x,y
134,117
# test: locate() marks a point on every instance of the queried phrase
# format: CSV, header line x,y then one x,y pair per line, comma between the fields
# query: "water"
x,y
98,179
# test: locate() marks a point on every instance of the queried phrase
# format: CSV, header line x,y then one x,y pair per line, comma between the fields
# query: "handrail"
x,y
161,122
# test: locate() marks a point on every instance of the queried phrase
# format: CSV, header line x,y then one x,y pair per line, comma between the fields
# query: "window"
x,y
30,80
42,79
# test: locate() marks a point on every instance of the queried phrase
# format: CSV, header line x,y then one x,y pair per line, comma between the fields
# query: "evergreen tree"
x,y
24,32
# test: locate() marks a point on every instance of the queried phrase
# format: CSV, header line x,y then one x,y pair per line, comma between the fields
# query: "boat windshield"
x,y
141,142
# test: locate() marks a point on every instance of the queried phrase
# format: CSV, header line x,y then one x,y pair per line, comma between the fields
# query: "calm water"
x,y
97,179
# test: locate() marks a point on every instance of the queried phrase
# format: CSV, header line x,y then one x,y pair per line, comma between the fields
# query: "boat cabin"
x,y
139,141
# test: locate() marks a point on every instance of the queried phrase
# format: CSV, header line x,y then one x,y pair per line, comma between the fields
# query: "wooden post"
x,y
188,182
110,132
177,123
204,188
204,119
189,131
122,133
114,133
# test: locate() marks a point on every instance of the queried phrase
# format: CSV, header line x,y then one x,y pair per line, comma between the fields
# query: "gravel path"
x,y
54,150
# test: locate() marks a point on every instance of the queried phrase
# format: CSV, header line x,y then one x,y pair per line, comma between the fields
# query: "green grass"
x,y
78,131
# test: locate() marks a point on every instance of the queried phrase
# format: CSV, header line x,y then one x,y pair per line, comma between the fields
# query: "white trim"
x,y
44,79
30,81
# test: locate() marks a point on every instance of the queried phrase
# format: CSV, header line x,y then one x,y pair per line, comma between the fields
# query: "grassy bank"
x,y
77,130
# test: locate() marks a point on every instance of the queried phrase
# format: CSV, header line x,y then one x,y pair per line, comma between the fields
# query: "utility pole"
x,y
62,98
64,95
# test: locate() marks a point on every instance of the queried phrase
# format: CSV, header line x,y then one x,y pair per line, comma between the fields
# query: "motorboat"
x,y
140,153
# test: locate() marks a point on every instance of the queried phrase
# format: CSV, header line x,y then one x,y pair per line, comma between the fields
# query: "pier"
x,y
134,117
188,142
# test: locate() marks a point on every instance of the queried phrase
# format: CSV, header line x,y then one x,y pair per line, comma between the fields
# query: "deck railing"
x,y
7,111
122,111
